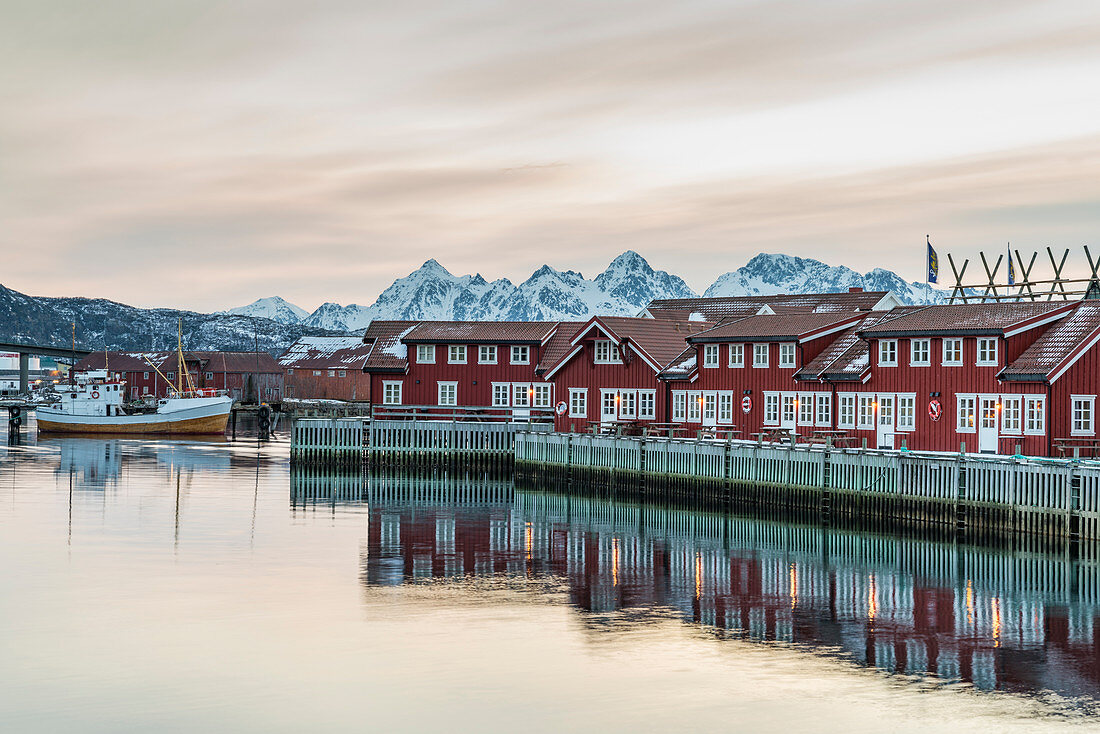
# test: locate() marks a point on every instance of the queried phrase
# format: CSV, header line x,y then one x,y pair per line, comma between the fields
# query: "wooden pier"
x,y
965,491
424,442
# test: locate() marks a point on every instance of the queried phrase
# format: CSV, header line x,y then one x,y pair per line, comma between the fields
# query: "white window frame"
x,y
487,354
522,394
1012,420
926,348
606,351
392,392
865,400
710,355
725,407
805,415
788,354
543,396
332,373
679,406
966,405
456,354
1037,427
736,355
695,406
628,403
984,345
887,352
343,373
952,362
823,409
771,408
425,354
521,354
440,389
647,405
757,349
846,410
578,402
1086,429
905,411
316,373
502,394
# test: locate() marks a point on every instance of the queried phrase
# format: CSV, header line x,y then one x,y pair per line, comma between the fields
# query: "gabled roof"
x,y
793,326
735,307
387,352
558,345
320,352
479,332
682,366
848,357
1058,348
969,319
655,341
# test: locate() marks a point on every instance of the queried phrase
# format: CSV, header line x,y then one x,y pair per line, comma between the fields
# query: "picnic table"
x,y
664,429
720,432
1075,446
774,435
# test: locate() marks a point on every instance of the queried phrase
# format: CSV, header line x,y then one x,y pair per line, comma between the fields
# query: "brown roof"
x,y
244,362
777,327
1057,347
682,365
331,352
558,345
734,307
387,352
965,319
483,332
661,340
848,356
131,361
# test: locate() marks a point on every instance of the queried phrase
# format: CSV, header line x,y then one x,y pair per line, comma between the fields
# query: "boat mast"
x,y
72,366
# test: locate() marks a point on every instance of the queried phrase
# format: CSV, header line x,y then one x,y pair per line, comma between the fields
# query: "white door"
x,y
987,424
710,409
788,412
885,422
608,407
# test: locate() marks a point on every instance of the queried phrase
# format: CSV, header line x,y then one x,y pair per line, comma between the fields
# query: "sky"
x,y
205,153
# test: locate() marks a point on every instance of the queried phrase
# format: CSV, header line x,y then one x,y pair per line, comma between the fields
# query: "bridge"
x,y
25,351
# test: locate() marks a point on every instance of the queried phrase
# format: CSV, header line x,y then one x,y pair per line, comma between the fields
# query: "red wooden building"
x,y
487,365
326,368
609,369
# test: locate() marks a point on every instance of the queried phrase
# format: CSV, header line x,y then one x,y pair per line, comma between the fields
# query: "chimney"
x,y
855,289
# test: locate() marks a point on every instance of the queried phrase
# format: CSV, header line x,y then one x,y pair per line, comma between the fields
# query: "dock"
x,y
968,492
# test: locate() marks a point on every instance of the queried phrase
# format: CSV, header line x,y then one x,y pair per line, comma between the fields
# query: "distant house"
x,y
244,375
326,368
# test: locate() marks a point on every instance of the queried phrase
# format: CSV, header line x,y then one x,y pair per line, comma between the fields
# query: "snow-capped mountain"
x,y
274,308
432,293
104,324
767,275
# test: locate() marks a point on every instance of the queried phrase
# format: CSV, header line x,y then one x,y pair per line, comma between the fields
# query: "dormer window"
x,y
607,352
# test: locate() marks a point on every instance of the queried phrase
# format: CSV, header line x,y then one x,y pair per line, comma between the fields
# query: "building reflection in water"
x,y
1007,619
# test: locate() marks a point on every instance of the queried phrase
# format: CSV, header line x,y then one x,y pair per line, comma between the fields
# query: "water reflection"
x,y
997,618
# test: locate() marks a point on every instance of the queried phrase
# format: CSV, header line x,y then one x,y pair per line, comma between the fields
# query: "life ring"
x,y
746,404
935,410
561,407
95,394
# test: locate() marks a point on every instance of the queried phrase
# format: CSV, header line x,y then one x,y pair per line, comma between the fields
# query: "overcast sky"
x,y
204,154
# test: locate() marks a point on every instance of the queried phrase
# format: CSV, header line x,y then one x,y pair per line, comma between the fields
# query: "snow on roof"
x,y
1056,345
326,351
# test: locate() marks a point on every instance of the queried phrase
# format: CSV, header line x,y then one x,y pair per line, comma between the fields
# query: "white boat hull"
x,y
208,418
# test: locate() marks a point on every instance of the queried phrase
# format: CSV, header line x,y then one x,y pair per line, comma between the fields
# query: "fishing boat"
x,y
93,402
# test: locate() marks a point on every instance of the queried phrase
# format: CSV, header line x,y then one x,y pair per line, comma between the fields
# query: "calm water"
x,y
201,586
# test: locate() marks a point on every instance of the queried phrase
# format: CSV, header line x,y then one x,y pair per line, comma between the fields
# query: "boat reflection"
x,y
999,618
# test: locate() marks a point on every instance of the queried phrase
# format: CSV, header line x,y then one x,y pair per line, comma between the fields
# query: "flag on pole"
x,y
1011,269
933,262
